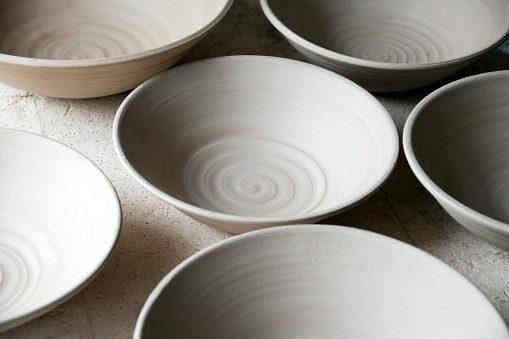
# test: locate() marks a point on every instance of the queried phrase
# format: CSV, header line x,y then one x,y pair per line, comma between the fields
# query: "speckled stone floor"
x,y
155,237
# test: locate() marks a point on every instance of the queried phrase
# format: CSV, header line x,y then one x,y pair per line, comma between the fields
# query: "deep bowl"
x,y
456,141
83,49
59,220
316,281
245,142
387,45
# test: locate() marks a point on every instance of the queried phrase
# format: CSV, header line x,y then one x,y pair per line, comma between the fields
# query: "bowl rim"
x,y
441,195
10,322
255,221
115,60
339,230
338,57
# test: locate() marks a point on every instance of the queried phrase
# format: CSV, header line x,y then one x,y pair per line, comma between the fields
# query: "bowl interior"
x,y
459,139
76,30
316,281
391,31
59,220
256,136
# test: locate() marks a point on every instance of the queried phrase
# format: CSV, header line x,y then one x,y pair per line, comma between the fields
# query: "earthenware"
x,y
59,221
457,144
387,45
245,142
82,49
316,281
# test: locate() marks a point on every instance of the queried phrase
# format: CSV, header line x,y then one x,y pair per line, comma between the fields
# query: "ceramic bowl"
x,y
387,45
457,143
83,49
245,142
59,220
316,281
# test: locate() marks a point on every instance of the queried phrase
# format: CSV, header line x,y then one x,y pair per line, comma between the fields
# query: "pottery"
x,y
84,49
245,142
316,281
59,220
457,144
387,45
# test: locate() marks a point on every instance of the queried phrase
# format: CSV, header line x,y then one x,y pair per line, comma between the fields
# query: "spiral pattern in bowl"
x,y
59,220
393,31
386,45
236,180
83,30
246,142
83,49
402,40
19,270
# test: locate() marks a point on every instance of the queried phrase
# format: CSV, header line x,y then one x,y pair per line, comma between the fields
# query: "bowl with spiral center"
x,y
59,221
83,49
457,144
246,142
387,45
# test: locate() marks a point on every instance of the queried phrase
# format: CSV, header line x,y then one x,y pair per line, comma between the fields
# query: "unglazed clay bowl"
x,y
456,141
316,281
83,49
387,45
59,220
245,142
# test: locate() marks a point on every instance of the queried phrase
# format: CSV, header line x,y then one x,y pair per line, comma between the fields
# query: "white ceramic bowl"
x,y
59,220
245,142
82,49
387,45
456,141
316,281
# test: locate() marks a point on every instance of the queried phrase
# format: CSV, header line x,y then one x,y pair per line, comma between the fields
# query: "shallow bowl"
x,y
245,142
316,281
456,141
59,220
387,45
83,49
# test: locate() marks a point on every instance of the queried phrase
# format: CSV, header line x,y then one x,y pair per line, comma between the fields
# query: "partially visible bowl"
x,y
83,49
456,141
245,142
387,45
59,220
316,281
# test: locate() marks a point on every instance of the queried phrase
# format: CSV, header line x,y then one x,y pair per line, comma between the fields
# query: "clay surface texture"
x,y
316,281
457,143
80,49
387,45
59,221
246,142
